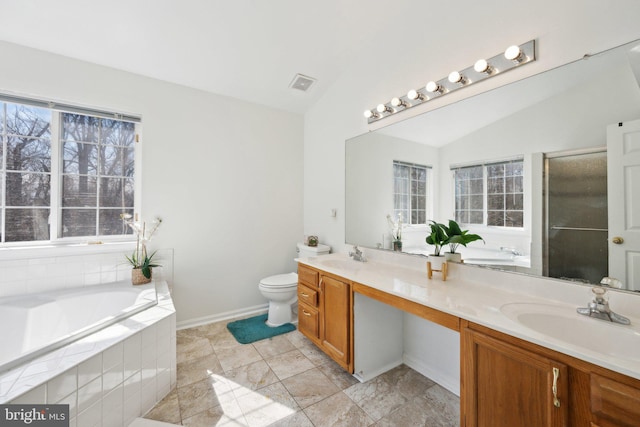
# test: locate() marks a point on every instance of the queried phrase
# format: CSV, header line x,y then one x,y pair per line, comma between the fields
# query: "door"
x,y
576,198
623,146
335,306
506,386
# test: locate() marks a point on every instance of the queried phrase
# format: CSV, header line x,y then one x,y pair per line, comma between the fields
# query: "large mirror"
x,y
528,166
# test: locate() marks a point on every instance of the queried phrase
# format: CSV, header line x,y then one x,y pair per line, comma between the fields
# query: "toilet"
x,y
282,289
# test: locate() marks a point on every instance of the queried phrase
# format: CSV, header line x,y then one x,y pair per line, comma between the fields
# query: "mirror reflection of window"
x,y
469,194
410,192
490,194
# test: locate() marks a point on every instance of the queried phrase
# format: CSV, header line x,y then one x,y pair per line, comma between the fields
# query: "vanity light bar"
x,y
514,56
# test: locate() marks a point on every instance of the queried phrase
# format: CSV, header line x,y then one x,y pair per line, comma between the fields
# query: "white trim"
x,y
55,191
58,105
508,159
366,376
52,250
227,315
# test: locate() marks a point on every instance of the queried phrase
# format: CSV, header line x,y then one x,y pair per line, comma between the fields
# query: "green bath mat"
x,y
254,329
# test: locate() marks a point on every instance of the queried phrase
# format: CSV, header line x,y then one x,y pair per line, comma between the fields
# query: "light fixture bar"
x,y
513,57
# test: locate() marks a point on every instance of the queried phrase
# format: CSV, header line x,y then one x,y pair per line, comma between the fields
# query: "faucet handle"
x,y
599,294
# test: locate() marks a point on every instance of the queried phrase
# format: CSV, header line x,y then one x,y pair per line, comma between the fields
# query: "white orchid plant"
x,y
395,227
140,258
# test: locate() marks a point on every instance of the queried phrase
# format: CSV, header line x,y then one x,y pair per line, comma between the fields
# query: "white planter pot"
x,y
436,261
453,257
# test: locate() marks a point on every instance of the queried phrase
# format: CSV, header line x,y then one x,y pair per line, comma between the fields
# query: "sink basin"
x,y
563,323
343,264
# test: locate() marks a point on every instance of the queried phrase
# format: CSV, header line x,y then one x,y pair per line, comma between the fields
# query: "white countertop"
x,y
477,295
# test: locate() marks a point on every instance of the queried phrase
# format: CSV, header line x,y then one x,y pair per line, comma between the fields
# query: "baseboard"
x,y
228,315
364,377
451,384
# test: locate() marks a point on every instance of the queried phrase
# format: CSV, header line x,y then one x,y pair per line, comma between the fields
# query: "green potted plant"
x,y
437,239
140,260
142,266
456,237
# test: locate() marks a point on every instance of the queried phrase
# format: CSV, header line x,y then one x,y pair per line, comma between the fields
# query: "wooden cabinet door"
x,y
506,386
614,404
335,309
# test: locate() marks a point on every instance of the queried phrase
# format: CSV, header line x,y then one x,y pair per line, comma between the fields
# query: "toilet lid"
x,y
278,280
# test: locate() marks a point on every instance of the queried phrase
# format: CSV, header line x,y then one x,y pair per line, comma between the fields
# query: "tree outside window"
x,y
95,184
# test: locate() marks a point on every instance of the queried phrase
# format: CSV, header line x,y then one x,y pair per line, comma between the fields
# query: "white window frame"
x,y
55,206
485,194
427,195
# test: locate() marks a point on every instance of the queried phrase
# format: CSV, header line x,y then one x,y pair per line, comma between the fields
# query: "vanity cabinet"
x,y
613,403
308,309
325,313
508,386
506,381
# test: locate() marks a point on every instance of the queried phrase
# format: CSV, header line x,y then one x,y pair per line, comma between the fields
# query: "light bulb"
x,y
397,102
456,77
381,108
481,66
368,114
513,53
414,94
433,87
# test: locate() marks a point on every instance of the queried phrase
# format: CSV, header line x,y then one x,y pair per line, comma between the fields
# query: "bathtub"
x,y
108,377
35,324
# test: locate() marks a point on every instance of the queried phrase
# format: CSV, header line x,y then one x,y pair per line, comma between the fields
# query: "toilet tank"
x,y
305,251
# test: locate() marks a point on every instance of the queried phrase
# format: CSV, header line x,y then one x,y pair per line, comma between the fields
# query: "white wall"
x,y
397,62
225,175
370,182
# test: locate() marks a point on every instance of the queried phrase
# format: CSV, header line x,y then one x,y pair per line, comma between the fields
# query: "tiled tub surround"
x,y
41,269
45,321
477,294
108,378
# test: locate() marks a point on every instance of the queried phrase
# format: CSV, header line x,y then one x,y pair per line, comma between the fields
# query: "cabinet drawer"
x,y
307,295
307,276
614,403
308,321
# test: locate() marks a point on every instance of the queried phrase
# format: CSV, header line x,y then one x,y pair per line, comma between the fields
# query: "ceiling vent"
x,y
302,82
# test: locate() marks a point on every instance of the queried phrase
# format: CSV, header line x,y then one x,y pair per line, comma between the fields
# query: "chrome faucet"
x,y
357,254
599,308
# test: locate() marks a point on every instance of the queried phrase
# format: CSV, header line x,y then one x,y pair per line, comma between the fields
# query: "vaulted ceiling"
x,y
252,49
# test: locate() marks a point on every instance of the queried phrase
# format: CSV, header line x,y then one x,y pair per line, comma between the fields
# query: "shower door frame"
x,y
545,195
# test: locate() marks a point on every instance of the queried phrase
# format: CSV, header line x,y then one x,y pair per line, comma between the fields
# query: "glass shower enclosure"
x,y
576,216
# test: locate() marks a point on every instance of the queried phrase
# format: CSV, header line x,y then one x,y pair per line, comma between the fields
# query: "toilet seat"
x,y
280,281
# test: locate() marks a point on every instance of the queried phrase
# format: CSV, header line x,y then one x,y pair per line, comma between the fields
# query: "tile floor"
x,y
287,381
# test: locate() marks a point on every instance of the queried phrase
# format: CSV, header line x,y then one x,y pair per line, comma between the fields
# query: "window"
x,y
63,174
410,192
490,194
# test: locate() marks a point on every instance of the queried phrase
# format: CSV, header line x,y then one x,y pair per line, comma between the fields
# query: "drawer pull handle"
x,y
304,295
305,313
554,388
